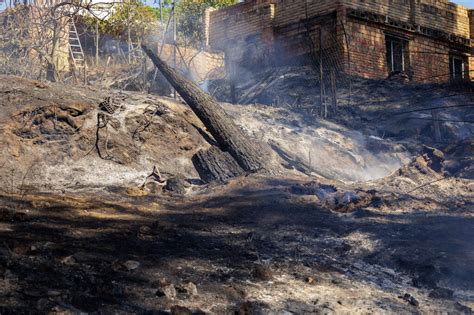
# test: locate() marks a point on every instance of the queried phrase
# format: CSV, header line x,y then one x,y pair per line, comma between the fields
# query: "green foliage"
x,y
141,18
132,14
190,16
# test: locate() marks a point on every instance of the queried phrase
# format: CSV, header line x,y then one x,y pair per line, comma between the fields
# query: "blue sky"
x,y
466,3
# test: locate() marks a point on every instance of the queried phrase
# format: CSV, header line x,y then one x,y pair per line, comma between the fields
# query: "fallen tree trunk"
x,y
214,164
228,135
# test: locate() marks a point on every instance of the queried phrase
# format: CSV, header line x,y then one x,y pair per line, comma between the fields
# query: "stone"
x,y
262,272
176,184
131,265
310,280
53,293
410,299
189,289
68,261
168,291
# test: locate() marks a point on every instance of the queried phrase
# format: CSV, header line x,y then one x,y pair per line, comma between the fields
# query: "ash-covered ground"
x,y
359,215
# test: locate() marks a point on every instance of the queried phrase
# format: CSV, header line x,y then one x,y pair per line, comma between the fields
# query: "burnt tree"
x,y
228,135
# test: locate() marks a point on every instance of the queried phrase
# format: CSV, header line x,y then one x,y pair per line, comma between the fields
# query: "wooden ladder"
x,y
75,47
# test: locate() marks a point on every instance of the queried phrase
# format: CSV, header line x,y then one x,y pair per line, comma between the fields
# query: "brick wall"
x,y
428,58
292,11
299,42
237,22
257,33
200,65
436,14
254,17
367,50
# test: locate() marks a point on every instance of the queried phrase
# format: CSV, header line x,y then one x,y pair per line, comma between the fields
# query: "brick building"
x,y
429,40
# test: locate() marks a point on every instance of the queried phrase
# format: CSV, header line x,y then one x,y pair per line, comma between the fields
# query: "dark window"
x,y
397,54
457,67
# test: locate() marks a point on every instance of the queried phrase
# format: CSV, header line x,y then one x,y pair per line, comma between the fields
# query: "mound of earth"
x,y
62,137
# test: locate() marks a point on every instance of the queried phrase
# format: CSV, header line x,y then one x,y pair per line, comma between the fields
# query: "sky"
x,y
466,3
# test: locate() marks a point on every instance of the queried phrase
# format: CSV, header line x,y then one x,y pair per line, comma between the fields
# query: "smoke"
x,y
331,150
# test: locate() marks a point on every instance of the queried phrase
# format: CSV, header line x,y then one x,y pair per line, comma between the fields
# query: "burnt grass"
x,y
57,254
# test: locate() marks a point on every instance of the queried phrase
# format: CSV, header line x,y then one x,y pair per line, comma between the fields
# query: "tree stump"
x,y
214,164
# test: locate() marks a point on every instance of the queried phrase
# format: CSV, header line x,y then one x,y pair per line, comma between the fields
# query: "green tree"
x,y
190,19
131,16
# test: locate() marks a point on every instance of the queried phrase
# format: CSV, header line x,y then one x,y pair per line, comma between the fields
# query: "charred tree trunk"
x,y
227,134
213,164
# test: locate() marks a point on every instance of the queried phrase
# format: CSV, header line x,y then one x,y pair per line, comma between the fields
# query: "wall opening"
x,y
398,59
458,67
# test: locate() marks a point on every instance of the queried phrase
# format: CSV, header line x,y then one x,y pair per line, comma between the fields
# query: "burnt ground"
x,y
348,222
255,245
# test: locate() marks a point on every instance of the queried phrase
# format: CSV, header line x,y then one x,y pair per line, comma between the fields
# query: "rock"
x,y
310,280
434,157
131,265
441,293
167,290
410,299
176,184
53,293
189,289
262,272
